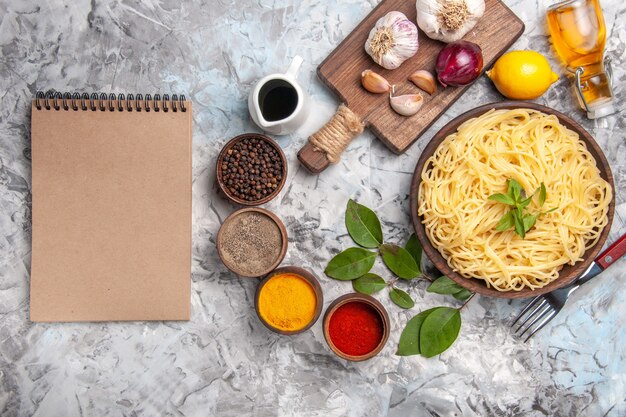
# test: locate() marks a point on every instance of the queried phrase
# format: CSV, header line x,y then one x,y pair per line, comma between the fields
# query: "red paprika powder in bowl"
x,y
356,327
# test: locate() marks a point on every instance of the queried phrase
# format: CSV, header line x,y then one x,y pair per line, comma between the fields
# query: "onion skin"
x,y
459,63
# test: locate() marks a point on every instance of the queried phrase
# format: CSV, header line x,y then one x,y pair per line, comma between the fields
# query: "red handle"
x,y
613,253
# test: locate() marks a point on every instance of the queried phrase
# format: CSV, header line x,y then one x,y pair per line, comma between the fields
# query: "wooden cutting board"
x,y
341,71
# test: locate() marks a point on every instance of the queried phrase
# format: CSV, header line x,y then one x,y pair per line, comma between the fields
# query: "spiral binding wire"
x,y
111,102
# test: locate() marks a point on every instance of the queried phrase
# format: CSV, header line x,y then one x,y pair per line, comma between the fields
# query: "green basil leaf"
x,y
506,222
527,201
409,343
368,284
363,225
444,285
415,249
551,210
515,189
350,264
519,223
529,221
439,330
463,295
401,298
502,198
399,261
542,194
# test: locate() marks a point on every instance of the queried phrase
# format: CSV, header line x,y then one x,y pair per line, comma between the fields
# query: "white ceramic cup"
x,y
275,115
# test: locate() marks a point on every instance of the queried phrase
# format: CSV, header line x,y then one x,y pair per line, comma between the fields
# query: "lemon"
x,y
522,75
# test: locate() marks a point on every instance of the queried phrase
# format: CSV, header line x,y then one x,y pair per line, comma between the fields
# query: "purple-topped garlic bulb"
x,y
392,41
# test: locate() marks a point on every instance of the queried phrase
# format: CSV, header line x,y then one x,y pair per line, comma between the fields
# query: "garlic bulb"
x,y
392,41
448,20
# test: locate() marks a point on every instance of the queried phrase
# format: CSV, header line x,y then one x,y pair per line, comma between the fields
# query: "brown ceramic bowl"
x,y
362,298
569,272
233,266
218,170
310,278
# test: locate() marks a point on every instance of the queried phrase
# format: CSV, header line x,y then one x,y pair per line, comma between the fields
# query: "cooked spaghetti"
x,y
475,162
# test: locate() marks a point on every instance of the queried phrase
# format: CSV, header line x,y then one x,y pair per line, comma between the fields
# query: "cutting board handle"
x,y
327,144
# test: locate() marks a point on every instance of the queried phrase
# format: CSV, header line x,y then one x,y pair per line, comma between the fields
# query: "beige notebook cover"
x,y
111,209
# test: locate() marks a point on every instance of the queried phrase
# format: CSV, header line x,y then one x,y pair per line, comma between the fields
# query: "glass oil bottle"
x,y
578,34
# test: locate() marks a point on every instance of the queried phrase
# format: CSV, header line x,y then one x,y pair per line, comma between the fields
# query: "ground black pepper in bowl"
x,y
252,241
251,169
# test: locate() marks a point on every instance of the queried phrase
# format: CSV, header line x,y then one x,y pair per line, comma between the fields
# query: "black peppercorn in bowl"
x,y
251,169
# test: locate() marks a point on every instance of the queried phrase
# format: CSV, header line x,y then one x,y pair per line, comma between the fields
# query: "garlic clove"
x,y
406,105
424,80
374,83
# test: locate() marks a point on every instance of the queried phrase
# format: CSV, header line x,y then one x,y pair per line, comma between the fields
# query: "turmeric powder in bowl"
x,y
288,302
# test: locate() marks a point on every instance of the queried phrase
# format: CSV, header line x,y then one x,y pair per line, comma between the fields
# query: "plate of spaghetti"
x,y
474,157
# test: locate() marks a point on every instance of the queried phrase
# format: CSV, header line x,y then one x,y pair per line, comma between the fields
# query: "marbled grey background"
x,y
223,361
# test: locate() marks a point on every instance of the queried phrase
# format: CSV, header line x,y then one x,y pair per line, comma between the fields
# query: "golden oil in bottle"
x,y
578,34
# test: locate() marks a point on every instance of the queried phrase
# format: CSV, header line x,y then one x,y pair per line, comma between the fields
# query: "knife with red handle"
x,y
604,260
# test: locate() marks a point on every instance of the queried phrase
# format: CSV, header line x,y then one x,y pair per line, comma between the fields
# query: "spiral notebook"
x,y
111,207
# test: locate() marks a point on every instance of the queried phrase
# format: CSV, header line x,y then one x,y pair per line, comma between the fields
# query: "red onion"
x,y
459,63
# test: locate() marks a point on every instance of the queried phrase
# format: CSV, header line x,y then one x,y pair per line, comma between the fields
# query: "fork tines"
x,y
536,314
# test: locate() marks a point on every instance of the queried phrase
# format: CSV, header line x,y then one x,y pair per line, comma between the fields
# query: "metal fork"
x,y
543,308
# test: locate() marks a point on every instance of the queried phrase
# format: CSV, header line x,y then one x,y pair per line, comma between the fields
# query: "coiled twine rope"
x,y
335,136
